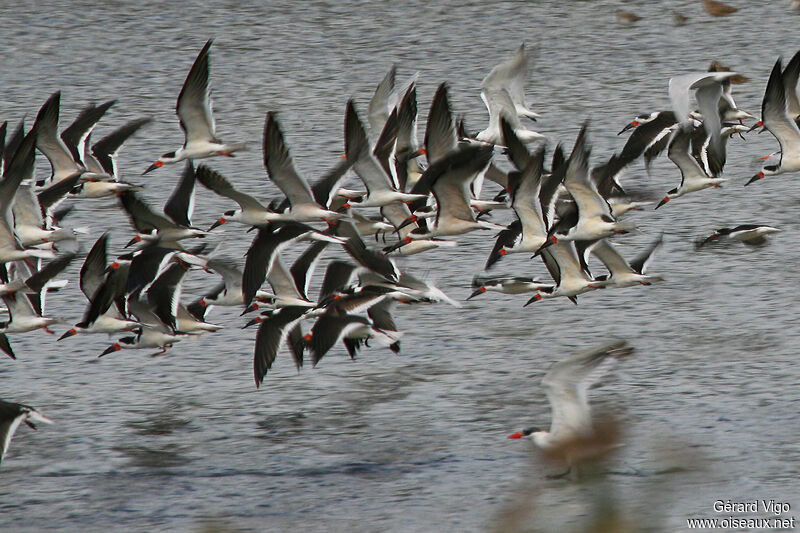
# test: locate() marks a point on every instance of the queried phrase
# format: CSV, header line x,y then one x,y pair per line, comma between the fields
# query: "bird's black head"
x,y
524,433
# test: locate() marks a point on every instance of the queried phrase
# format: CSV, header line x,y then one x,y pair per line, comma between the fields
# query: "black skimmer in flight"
x,y
34,211
499,104
370,259
275,327
227,293
282,172
23,317
11,416
776,119
397,214
251,212
285,290
506,285
153,334
751,234
340,323
606,177
595,220
693,177
622,273
660,118
102,161
31,220
650,136
528,233
32,282
380,189
408,289
164,297
708,89
49,142
570,276
713,162
727,107
19,168
290,288
265,248
102,158
338,277
195,114
572,432
77,134
92,279
449,180
24,295
503,92
153,228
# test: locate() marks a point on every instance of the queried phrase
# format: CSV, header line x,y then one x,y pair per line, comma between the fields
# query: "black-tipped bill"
x,y
549,242
220,221
535,298
628,126
476,293
758,124
69,333
111,349
757,177
406,222
157,164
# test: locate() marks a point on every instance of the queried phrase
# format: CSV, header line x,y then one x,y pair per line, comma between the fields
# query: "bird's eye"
x,y
228,213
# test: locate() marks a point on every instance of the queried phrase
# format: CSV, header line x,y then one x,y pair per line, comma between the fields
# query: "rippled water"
x,y
416,441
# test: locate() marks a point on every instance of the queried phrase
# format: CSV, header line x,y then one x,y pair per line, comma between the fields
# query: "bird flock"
x,y
406,198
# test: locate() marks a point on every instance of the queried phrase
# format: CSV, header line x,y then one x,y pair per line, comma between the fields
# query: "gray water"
x,y
416,441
